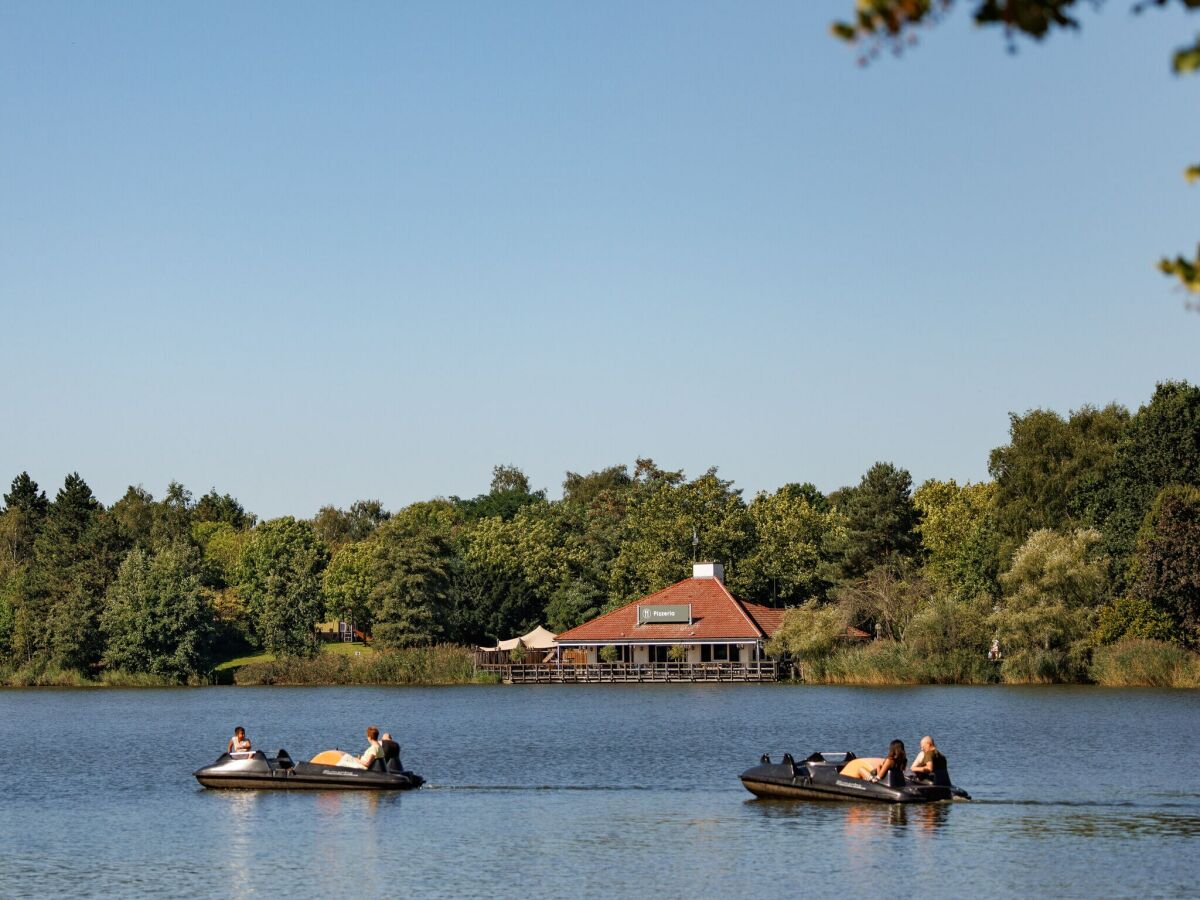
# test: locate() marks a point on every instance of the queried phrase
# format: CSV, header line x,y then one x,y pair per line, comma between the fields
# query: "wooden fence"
x,y
629,673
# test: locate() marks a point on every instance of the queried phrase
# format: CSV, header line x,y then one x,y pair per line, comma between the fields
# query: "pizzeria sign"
x,y
666,614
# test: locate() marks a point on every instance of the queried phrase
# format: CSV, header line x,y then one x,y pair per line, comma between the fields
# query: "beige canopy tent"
x,y
538,639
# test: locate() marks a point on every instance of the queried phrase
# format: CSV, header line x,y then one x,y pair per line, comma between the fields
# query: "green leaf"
x,y
1187,59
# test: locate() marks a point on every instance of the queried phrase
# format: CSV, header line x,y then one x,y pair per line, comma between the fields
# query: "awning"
x,y
538,639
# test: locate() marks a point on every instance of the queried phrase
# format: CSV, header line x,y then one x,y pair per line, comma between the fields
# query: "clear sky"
x,y
309,253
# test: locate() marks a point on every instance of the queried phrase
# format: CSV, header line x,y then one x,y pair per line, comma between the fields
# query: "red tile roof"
x,y
716,615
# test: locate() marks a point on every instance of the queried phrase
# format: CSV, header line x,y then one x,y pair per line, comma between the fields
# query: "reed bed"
x,y
440,664
1145,663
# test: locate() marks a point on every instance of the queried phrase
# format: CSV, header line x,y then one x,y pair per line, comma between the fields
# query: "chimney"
x,y
709,570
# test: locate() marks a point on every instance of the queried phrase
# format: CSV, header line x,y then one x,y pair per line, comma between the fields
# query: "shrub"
x,y
1135,617
810,631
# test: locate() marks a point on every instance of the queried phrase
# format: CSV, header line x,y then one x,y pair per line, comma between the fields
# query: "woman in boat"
x,y
896,760
374,749
239,743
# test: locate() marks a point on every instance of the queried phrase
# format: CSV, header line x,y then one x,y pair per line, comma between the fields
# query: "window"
x,y
658,654
720,653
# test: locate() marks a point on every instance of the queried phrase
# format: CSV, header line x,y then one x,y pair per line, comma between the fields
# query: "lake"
x,y
588,791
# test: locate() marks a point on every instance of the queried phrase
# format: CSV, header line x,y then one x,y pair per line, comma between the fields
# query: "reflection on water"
x,y
600,792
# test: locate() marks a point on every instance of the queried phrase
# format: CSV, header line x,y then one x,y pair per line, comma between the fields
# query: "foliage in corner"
x,y
892,25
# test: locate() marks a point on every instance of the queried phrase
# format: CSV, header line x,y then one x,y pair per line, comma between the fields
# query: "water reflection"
x,y
237,819
858,818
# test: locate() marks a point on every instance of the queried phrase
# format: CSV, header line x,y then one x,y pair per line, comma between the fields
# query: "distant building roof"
x,y
716,616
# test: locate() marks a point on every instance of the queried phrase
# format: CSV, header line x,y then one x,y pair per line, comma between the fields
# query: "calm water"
x,y
585,791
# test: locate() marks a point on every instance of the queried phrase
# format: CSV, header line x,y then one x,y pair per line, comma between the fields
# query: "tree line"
x,y
1087,532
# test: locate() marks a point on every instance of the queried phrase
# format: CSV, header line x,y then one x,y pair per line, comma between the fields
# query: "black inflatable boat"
x,y
279,772
833,776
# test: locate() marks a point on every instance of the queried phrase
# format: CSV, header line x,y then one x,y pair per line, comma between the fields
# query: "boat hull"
x,y
820,780
263,773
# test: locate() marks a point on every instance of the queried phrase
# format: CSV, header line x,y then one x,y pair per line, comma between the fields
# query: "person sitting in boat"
x,y
239,744
896,761
374,749
930,765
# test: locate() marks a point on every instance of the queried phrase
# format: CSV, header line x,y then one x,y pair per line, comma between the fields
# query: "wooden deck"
x,y
631,673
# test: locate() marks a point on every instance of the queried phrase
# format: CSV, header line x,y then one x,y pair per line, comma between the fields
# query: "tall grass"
x,y
1140,662
42,675
889,662
441,664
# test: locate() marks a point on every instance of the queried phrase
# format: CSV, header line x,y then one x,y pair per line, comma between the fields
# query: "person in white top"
x,y
239,743
374,749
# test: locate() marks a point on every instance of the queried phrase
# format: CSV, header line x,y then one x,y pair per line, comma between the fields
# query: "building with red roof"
x,y
697,614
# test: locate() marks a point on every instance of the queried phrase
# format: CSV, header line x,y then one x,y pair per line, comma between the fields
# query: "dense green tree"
x,y
586,489
1135,617
25,495
488,602
25,507
214,507
135,514
279,578
881,521
173,516
1167,563
1160,447
157,617
593,514
348,582
412,583
74,632
510,492
892,23
340,526
669,523
75,557
794,547
1052,593
1044,471
958,535
573,603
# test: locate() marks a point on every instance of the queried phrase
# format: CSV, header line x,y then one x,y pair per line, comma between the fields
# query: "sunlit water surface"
x,y
582,791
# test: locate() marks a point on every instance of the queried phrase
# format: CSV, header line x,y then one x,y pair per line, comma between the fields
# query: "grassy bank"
x,y
35,675
1145,663
335,664
442,664
1130,663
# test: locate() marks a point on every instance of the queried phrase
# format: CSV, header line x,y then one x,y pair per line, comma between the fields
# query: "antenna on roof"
x,y
695,544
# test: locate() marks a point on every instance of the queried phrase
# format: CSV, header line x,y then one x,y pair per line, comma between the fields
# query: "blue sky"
x,y
308,253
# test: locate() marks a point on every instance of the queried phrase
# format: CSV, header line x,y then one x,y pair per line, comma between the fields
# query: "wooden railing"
x,y
625,673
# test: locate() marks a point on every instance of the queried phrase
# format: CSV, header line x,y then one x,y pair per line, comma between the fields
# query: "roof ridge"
x,y
742,609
